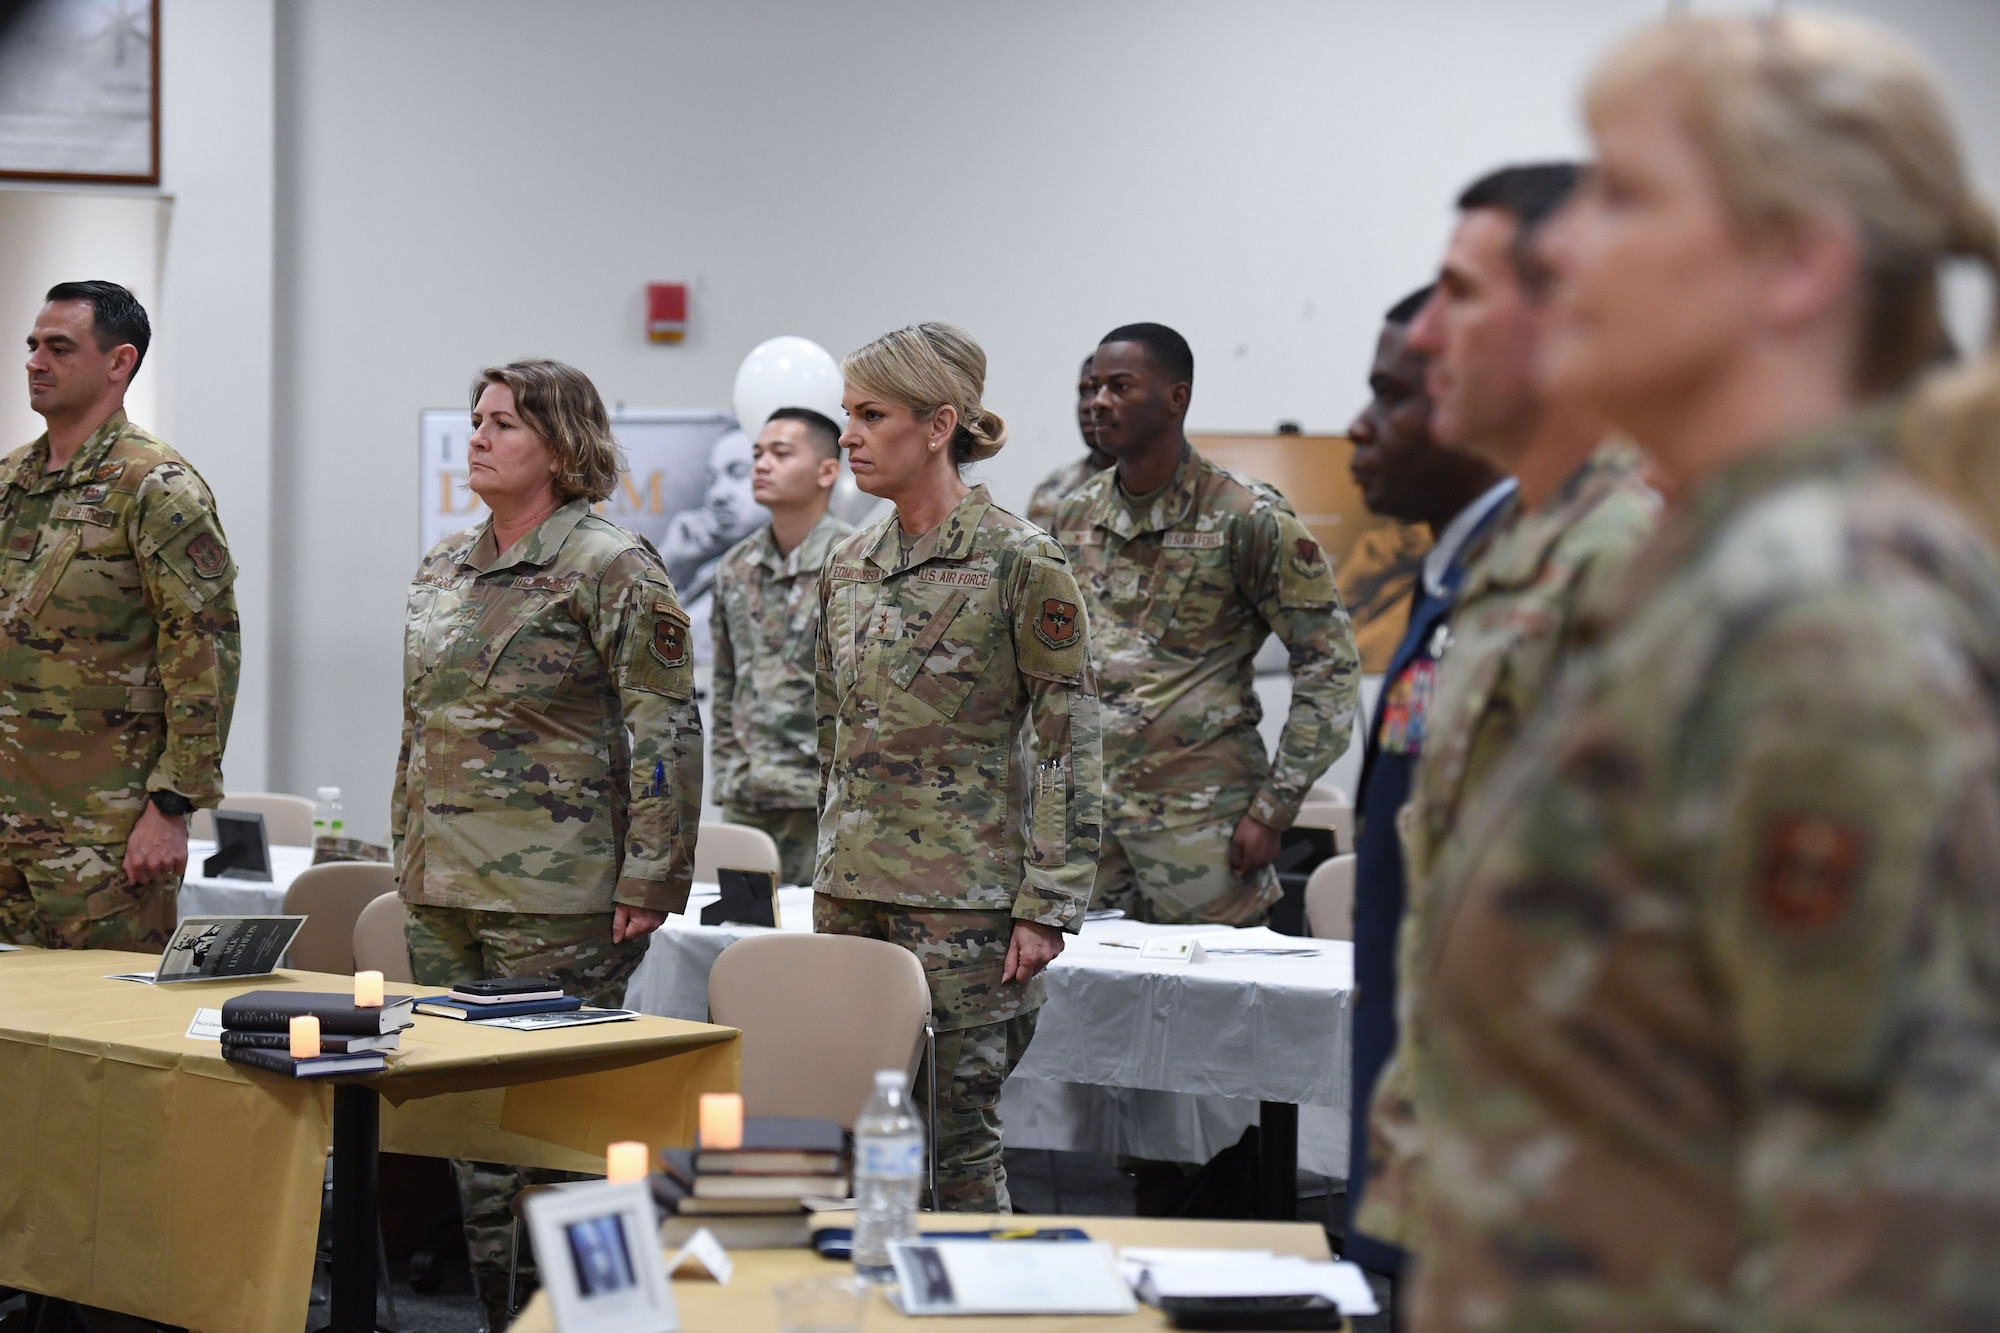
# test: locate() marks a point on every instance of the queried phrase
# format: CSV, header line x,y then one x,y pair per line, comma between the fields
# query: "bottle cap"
x,y
329,793
890,1080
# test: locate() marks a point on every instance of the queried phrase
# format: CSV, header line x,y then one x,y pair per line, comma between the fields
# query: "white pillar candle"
x,y
368,990
625,1161
721,1120
305,1037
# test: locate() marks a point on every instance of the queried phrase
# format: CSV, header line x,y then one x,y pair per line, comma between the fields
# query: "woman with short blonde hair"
x,y
549,788
1715,1018
949,631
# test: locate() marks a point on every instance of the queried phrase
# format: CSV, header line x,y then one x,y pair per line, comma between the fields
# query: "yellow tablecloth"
x,y
745,1304
140,1171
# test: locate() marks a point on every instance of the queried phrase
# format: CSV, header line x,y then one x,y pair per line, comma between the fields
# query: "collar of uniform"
x,y
1522,544
949,540
809,554
34,480
1820,449
537,548
1174,503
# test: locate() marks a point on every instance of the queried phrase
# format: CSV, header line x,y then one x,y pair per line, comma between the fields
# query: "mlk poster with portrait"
x,y
686,490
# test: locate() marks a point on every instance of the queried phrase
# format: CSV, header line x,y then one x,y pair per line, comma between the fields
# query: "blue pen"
x,y
659,777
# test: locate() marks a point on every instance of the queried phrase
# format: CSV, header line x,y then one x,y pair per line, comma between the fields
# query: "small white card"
x,y
1174,949
207,1025
703,1253
960,1277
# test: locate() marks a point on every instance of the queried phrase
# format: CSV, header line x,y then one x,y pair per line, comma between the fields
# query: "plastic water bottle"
x,y
327,822
888,1173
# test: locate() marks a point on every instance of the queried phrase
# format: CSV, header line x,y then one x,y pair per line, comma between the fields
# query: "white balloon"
x,y
786,372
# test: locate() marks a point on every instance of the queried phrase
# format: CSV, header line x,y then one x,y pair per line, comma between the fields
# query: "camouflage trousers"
x,y
79,898
983,1028
795,831
1181,876
453,944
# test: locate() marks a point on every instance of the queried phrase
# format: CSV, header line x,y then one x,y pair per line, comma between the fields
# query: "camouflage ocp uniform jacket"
x,y
1520,615
1053,489
936,673
121,649
1182,594
524,671
1714,1012
766,631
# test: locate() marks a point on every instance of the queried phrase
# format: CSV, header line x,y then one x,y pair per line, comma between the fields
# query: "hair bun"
x,y
980,436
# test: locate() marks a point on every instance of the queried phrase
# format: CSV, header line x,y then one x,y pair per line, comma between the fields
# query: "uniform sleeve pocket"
x,y
197,555
660,657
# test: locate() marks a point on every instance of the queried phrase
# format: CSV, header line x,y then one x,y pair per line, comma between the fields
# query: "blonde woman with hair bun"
x,y
950,633
1716,1012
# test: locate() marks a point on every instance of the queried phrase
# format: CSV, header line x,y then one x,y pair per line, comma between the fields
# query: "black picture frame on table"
x,y
68,71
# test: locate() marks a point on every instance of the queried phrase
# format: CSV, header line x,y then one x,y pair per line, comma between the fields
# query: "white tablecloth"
x,y
1132,1055
202,896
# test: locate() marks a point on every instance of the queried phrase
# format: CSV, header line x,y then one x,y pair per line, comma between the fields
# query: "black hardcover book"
x,y
318,1066
274,1010
334,1045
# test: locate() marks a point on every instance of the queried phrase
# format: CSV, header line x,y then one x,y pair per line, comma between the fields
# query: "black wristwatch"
x,y
171,803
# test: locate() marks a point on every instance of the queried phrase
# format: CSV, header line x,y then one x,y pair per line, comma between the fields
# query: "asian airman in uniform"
x,y
765,748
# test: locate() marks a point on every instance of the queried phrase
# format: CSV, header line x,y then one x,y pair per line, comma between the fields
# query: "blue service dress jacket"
x,y
1394,742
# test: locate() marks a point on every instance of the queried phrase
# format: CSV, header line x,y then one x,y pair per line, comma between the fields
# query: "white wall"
x,y
465,181
213,327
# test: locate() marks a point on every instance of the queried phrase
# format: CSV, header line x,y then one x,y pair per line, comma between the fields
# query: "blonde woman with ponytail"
x,y
958,734
1717,1004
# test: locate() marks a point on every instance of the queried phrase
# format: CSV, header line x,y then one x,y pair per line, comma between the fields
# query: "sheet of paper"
x,y
703,1253
207,1025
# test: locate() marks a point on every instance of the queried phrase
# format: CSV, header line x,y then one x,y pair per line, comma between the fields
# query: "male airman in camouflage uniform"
x,y
765,629
1582,510
1065,481
120,651
1712,1012
1184,582
938,656
550,775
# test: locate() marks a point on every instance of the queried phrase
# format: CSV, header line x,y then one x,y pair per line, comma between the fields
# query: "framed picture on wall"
x,y
80,90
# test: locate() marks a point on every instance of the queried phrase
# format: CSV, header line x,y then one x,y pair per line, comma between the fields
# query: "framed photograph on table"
x,y
80,91
597,1246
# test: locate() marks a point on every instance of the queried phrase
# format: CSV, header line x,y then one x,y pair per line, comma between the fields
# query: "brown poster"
x,y
1375,559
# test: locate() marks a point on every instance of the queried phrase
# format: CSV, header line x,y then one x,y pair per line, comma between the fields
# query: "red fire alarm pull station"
x,y
666,312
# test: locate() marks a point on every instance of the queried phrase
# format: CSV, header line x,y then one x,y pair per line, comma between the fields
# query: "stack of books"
x,y
757,1196
257,1031
500,997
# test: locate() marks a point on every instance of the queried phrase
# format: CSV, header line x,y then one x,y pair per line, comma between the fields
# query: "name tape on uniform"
x,y
954,578
1192,541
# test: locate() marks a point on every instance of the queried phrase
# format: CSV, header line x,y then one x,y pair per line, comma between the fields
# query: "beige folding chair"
x,y
733,847
819,1015
331,897
288,820
1328,808
379,943
1330,899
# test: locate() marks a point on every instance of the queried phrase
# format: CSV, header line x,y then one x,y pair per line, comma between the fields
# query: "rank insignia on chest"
x,y
1307,557
1057,627
93,493
21,546
107,471
670,640
1811,871
205,553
